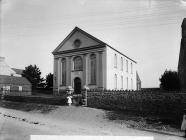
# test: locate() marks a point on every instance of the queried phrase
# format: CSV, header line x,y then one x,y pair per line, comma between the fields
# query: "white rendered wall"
x,y
111,71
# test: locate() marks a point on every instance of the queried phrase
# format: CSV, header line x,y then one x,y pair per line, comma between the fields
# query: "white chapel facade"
x,y
83,60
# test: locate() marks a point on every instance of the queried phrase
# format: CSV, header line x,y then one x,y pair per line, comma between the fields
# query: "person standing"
x,y
69,100
183,125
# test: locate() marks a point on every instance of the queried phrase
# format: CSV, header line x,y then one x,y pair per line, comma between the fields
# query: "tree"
x,y
33,74
49,80
170,80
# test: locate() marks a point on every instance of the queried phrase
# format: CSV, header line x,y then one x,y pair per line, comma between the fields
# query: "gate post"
x,y
84,95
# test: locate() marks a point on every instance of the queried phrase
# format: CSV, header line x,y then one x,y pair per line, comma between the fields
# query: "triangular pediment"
x,y
84,40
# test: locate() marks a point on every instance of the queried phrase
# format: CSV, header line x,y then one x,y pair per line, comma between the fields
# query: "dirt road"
x,y
64,120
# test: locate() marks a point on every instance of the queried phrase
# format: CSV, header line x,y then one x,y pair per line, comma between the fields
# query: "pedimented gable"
x,y
77,39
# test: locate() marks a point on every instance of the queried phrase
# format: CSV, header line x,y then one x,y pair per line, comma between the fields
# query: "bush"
x,y
170,81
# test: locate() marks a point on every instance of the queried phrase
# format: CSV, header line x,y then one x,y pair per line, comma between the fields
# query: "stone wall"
x,y
139,101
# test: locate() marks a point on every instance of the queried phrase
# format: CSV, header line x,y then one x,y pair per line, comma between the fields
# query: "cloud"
x,y
183,3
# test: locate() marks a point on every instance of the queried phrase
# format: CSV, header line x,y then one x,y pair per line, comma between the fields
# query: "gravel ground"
x,y
20,120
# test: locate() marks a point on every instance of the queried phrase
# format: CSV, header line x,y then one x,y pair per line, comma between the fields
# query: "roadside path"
x,y
65,120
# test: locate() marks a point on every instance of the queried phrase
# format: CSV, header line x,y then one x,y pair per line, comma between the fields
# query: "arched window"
x,y
78,64
126,65
121,82
115,79
131,84
115,60
127,83
93,69
64,71
122,63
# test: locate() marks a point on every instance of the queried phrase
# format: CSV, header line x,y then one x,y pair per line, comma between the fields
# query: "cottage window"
x,y
20,88
78,64
93,69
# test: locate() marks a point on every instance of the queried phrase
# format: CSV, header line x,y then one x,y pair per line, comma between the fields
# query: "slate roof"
x,y
18,71
4,79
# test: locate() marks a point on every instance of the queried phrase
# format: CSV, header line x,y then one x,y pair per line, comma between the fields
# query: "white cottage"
x,y
83,60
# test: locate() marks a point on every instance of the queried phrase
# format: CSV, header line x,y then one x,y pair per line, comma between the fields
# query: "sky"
x,y
148,31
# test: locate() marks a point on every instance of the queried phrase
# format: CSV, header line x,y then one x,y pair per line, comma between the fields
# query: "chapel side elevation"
x,y
83,60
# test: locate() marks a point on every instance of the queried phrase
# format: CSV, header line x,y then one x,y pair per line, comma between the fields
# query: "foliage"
x,y
33,74
49,80
170,81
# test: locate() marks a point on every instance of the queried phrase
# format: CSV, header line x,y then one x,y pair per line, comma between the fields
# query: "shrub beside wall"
x,y
139,101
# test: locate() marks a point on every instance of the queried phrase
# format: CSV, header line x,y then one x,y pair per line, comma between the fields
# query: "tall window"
x,y
93,69
122,63
115,60
121,82
126,65
64,71
115,79
78,64
127,83
131,68
131,84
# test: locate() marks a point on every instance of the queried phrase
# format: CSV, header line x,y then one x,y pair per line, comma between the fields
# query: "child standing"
x,y
69,100
183,125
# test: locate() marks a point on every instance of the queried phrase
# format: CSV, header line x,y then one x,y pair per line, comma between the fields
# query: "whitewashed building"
x,y
83,60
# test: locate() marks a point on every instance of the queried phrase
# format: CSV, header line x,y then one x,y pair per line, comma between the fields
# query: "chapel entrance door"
x,y
77,85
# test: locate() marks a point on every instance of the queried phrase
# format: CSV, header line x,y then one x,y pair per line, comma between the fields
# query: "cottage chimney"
x,y
4,68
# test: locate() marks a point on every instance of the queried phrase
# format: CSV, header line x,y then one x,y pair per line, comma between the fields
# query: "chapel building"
x,y
83,60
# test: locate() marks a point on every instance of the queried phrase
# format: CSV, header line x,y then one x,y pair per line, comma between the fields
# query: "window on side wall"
x,y
121,82
131,84
127,83
115,79
122,63
115,60
131,68
126,65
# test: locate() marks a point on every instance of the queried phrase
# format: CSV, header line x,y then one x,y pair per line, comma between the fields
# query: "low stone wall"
x,y
56,100
143,102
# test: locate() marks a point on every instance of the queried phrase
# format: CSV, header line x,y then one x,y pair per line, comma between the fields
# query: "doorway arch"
x,y
77,85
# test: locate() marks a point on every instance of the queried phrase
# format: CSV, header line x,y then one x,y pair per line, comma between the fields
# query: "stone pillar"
x,y
55,76
97,70
100,70
58,74
84,96
85,69
68,71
